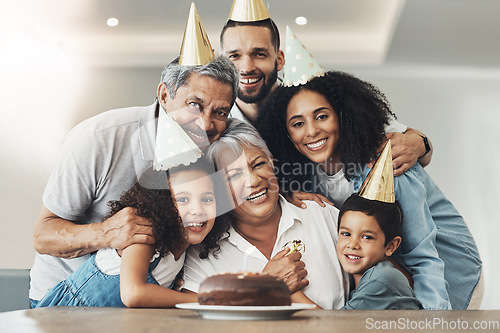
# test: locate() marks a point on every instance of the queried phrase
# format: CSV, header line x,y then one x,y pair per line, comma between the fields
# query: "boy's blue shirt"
x,y
438,248
383,287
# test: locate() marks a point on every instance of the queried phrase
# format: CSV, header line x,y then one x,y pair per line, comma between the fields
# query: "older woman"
x,y
263,222
323,133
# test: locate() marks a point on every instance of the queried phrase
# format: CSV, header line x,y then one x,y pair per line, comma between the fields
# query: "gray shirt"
x,y
101,158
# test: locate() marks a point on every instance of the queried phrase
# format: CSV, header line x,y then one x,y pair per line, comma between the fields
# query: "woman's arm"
x,y
134,289
297,198
300,297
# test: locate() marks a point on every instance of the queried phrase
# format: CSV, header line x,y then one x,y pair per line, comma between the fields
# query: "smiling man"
x,y
251,40
199,102
104,156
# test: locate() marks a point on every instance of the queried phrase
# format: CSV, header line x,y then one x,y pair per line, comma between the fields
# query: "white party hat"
x,y
173,146
300,66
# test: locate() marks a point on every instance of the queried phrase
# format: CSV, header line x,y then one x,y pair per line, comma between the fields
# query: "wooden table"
x,y
93,320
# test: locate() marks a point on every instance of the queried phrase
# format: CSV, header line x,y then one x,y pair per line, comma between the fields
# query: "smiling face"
x,y
361,243
251,50
313,126
253,185
194,196
200,107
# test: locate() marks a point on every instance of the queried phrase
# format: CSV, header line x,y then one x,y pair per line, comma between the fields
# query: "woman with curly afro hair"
x,y
356,114
323,133
182,212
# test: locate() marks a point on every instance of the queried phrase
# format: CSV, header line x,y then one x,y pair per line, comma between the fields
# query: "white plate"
x,y
221,312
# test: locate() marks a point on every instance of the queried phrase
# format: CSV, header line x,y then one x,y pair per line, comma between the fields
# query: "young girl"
x,y
140,275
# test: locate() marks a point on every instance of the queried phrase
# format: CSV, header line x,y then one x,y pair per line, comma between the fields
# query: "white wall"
x,y
459,111
32,132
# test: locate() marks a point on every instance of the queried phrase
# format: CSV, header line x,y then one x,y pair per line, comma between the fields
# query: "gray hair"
x,y
220,69
237,136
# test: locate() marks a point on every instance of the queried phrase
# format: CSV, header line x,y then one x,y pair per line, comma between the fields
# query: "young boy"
x,y
369,233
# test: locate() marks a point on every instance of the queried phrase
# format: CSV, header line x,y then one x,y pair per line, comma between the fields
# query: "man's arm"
x,y
407,149
135,291
65,239
297,198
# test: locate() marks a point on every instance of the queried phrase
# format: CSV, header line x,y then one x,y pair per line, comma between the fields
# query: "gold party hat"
x,y
196,48
300,66
379,184
248,11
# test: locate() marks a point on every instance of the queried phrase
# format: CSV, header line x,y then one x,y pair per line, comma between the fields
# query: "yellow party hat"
x,y
300,66
379,184
248,11
196,48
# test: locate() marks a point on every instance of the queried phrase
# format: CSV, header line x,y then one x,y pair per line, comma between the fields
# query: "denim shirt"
x,y
89,286
438,248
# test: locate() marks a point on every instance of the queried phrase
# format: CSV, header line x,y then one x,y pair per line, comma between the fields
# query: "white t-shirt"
x,y
237,114
336,187
109,262
315,226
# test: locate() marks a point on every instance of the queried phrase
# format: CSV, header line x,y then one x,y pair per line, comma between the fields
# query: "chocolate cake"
x,y
243,289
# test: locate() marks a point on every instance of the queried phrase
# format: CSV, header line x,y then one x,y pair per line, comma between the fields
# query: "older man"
x,y
103,156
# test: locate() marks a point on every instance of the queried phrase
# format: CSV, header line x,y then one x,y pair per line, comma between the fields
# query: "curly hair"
x,y
361,108
158,206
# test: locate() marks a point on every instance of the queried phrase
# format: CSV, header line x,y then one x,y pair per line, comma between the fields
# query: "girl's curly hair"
x,y
157,205
361,108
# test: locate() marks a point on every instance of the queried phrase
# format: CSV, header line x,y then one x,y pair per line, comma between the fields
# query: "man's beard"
x,y
264,90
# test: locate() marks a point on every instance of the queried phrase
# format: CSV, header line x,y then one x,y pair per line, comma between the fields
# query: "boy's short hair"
x,y
389,216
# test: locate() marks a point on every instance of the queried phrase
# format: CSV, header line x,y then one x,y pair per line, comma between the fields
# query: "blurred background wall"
x,y
440,69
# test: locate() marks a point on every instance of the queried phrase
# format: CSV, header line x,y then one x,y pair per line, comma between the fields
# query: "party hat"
x,y
173,146
248,11
379,184
196,48
300,66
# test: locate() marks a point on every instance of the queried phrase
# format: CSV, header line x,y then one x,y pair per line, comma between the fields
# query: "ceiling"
x,y
339,33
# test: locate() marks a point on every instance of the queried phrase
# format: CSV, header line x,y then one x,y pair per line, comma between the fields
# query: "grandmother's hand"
x,y
179,280
288,268
296,198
